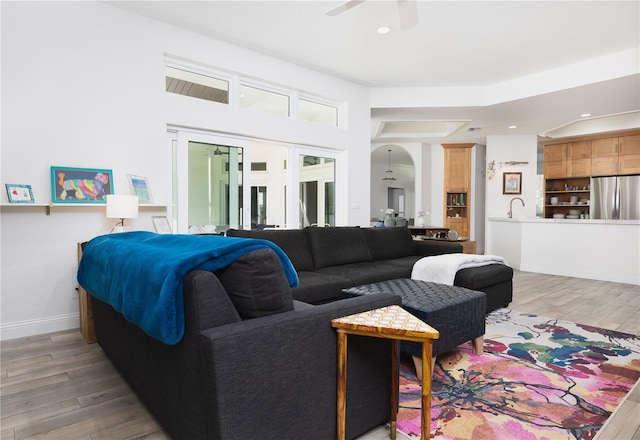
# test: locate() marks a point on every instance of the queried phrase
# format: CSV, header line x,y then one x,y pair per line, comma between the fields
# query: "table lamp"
x,y
121,206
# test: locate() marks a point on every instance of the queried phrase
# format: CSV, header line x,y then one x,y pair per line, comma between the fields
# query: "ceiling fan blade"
x,y
408,12
344,7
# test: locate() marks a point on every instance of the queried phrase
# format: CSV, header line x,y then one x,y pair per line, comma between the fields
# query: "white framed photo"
x,y
161,224
140,187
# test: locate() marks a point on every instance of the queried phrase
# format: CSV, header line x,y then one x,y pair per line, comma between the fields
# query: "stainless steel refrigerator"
x,y
615,198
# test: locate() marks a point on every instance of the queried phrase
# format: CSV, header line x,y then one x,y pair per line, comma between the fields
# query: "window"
x,y
264,100
258,166
202,82
316,112
198,86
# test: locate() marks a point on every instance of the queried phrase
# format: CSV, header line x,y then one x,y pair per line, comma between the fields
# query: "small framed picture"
x,y
80,185
19,193
512,183
161,224
140,187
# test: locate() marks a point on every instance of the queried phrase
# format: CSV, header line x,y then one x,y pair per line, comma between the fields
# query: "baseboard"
x,y
32,327
581,273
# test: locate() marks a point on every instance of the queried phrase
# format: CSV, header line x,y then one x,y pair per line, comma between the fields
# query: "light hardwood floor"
x,y
55,386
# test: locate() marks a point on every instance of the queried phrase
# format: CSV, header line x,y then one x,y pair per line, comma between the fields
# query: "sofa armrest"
x,y
278,374
430,248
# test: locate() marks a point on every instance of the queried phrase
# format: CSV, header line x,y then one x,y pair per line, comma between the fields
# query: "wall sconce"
x,y
121,206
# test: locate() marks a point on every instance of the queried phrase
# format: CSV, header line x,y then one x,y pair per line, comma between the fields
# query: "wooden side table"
x,y
86,313
394,323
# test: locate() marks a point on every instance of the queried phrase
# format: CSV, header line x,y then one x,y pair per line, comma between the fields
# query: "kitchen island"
x,y
606,250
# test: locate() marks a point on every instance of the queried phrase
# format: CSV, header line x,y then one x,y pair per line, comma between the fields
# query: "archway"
x,y
398,194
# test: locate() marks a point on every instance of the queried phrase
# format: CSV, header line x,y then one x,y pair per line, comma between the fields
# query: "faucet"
x,y
510,213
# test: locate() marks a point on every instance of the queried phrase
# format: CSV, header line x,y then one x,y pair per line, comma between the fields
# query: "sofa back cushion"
x,y
331,246
207,300
388,243
257,284
292,241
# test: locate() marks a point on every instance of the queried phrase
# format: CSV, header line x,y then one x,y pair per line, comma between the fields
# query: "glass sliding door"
x,y
316,191
222,182
214,187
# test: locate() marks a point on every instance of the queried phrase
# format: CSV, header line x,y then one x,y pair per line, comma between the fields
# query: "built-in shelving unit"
x,y
567,197
457,204
457,187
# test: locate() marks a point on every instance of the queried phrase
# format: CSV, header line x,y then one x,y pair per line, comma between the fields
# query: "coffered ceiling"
x,y
467,70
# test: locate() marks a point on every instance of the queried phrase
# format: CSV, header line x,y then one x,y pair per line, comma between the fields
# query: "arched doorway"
x,y
393,177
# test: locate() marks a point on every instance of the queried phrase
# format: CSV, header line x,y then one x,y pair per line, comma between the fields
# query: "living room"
x,y
99,101
83,85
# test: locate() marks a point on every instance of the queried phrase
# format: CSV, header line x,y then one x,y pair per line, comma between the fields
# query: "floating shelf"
x,y
49,206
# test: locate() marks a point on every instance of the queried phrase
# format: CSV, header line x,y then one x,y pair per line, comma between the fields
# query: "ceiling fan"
x,y
407,10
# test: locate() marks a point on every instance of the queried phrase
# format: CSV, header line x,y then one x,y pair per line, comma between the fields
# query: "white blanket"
x,y
443,268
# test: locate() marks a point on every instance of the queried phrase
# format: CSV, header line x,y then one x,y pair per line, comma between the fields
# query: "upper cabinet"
x,y
616,156
603,154
567,159
457,170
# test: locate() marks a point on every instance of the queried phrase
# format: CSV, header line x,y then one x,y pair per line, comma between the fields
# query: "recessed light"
x,y
513,126
383,30
585,115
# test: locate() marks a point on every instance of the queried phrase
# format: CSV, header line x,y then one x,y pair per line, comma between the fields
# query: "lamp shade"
x,y
122,206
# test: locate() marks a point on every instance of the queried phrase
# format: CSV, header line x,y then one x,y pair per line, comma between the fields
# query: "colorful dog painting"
x,y
75,185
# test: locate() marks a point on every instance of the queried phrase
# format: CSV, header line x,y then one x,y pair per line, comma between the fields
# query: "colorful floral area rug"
x,y
539,378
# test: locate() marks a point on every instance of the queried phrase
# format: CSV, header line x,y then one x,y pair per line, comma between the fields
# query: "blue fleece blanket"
x,y
140,273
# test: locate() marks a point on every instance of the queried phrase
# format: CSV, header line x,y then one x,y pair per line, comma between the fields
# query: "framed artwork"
x,y
512,183
140,187
80,185
161,224
18,193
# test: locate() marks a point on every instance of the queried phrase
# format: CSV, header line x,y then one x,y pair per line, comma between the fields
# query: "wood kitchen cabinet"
x,y
457,188
616,156
457,167
570,163
567,159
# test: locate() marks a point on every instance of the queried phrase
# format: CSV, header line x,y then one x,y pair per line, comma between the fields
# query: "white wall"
x,y
512,148
83,85
521,148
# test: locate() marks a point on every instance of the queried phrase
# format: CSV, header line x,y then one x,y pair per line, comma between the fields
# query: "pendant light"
x,y
389,174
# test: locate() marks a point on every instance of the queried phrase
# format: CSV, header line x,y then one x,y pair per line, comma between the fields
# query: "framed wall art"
x,y
80,185
19,193
140,187
512,183
161,224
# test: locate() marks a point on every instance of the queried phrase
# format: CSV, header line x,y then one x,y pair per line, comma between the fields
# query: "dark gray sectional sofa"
x,y
272,377
257,361
330,259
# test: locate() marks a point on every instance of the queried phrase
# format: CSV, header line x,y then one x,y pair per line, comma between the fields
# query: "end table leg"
x,y
394,389
342,384
427,373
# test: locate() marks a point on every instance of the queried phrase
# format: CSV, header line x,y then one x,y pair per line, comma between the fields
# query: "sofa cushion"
x,y
318,288
206,299
477,278
386,243
332,246
365,273
292,241
257,284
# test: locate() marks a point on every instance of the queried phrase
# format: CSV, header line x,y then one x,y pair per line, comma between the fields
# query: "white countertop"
x,y
564,221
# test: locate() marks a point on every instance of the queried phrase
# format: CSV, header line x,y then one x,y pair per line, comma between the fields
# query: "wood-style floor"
x,y
55,386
